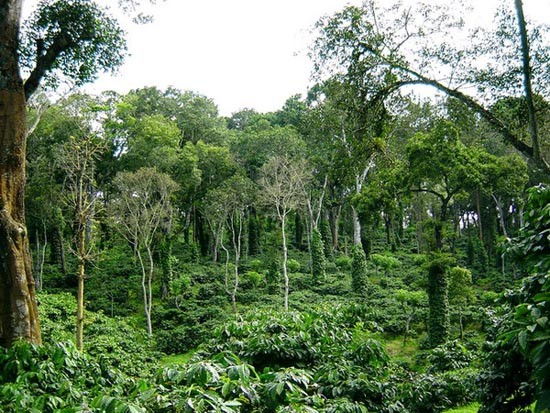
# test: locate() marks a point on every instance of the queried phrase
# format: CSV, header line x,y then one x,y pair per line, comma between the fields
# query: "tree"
x,y
359,272
516,365
409,46
77,159
79,39
239,190
139,211
441,165
410,302
460,292
282,186
318,260
438,298
354,130
224,208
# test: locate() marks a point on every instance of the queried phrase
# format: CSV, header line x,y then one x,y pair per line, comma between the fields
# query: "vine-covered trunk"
x,y
18,309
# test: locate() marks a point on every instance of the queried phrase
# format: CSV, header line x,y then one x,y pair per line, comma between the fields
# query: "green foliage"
x,y
359,272
318,262
384,262
293,265
522,340
254,278
447,357
52,378
112,341
82,37
343,262
438,299
326,237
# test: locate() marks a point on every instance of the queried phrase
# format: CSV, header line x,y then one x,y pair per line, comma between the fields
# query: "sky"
x,y
240,53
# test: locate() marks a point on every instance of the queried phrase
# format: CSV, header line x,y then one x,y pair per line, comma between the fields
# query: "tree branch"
x,y
46,60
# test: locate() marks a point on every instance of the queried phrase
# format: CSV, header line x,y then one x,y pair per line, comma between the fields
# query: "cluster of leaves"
x,y
521,340
52,378
113,342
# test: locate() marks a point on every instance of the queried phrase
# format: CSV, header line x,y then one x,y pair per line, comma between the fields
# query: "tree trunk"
x,y
18,308
236,230
528,88
285,259
356,227
149,301
334,219
145,290
80,305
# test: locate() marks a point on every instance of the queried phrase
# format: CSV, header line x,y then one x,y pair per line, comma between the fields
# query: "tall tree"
x,y
79,39
441,165
282,185
409,46
77,159
142,207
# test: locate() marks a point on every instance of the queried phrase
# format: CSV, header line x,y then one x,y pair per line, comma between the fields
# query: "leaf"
x,y
522,339
280,388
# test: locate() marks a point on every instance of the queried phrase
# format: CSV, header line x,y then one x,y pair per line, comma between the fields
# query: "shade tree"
x,y
282,188
439,164
139,212
400,46
77,158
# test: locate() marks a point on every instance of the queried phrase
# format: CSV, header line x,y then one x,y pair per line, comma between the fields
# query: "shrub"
x,y
293,265
343,262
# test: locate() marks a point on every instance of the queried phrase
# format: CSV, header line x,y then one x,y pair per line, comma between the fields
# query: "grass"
x,y
398,352
471,408
176,359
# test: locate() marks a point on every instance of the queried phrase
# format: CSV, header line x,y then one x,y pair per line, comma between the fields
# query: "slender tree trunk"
x,y
41,257
226,279
528,88
18,308
407,328
236,229
80,292
356,227
285,259
149,303
498,204
145,292
334,218
479,221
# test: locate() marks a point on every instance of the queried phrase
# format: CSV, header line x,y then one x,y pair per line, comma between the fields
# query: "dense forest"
x,y
363,249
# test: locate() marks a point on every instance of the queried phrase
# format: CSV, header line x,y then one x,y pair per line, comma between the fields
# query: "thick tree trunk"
x,y
18,309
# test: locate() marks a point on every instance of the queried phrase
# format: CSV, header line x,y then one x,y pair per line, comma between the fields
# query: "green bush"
x,y
343,262
293,265
54,378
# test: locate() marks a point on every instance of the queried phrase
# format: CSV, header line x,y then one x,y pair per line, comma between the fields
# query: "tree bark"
x,y
18,308
526,62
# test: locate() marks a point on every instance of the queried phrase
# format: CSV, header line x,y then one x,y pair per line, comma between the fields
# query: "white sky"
x,y
240,53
